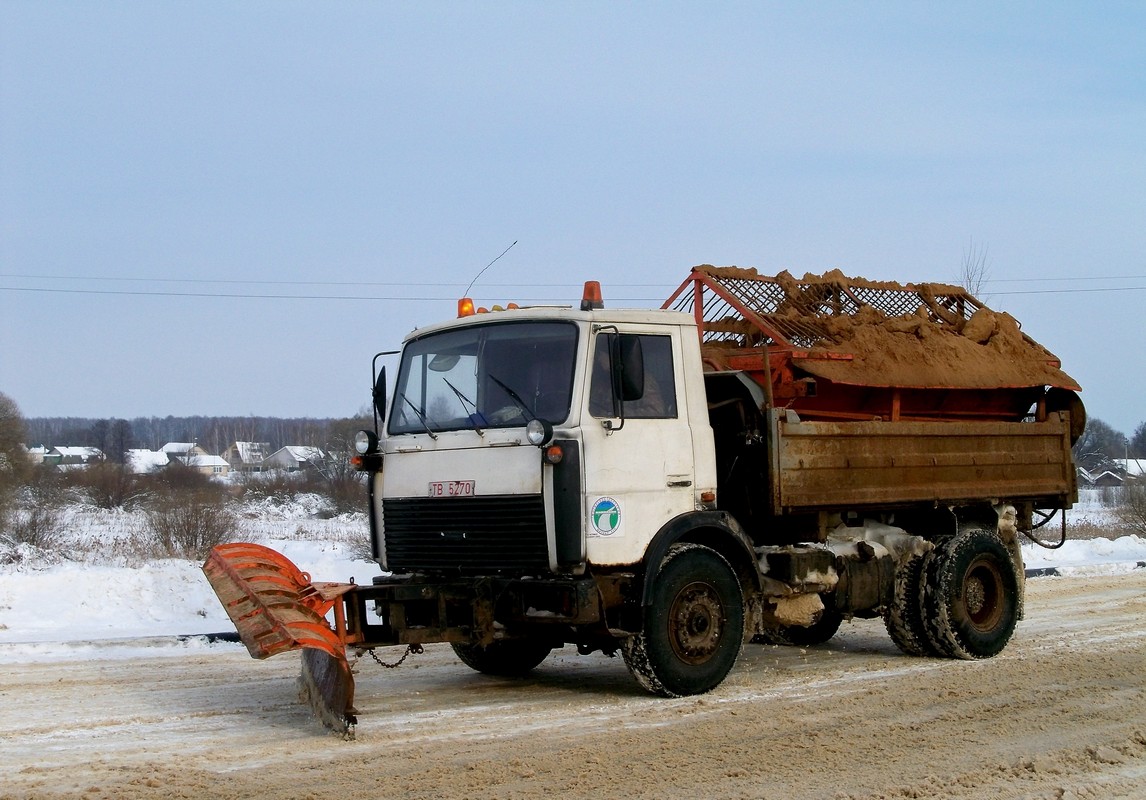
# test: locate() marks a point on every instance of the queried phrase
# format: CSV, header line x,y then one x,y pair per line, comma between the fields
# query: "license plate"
x,y
451,488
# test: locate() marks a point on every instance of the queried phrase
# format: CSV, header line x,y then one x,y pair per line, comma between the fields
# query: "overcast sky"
x,y
228,208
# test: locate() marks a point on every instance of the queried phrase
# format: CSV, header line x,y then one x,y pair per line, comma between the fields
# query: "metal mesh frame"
x,y
796,313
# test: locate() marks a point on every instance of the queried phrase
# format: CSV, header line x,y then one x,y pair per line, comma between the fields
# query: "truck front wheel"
x,y
693,628
510,658
970,595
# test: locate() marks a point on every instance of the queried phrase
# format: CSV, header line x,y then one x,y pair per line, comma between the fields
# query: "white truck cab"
x,y
464,486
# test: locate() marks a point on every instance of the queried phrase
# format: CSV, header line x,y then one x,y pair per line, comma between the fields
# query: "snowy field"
x,y
85,592
91,588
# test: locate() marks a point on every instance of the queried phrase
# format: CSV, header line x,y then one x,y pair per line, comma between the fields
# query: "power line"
x,y
249,296
440,284
1074,290
221,295
572,284
1077,278
235,295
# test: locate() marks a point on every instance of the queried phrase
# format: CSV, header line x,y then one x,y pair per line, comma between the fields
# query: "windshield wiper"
x,y
525,412
421,416
474,417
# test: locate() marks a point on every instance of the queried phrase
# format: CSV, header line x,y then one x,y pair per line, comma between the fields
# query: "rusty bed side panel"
x,y
831,465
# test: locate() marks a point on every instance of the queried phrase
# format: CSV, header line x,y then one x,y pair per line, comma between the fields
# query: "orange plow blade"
x,y
276,608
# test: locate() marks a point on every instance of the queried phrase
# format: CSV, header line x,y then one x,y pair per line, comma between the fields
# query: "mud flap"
x,y
276,608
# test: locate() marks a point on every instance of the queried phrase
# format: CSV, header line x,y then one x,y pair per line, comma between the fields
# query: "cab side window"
x,y
659,398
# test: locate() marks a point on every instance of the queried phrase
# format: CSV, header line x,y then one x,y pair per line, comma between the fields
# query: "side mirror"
x,y
378,395
378,392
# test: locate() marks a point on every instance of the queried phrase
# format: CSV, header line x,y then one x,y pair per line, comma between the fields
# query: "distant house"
x,y
1133,468
190,454
206,463
183,449
247,456
1115,472
73,457
293,458
143,462
1106,478
35,453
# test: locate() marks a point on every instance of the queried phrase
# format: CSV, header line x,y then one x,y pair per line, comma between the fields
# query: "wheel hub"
x,y
696,623
982,590
976,597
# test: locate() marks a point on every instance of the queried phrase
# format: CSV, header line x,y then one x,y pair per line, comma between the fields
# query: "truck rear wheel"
x,y
903,616
971,596
510,658
693,629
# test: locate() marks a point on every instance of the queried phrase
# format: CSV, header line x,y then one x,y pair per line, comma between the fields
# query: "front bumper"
x,y
416,609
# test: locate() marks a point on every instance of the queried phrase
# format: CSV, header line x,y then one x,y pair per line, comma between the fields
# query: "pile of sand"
x,y
934,346
987,351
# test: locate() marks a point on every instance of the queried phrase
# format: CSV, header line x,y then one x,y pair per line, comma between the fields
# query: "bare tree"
x,y
100,433
119,441
975,270
1132,508
108,485
14,465
1138,442
1099,446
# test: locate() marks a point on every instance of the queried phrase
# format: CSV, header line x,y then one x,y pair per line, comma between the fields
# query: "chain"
x,y
416,649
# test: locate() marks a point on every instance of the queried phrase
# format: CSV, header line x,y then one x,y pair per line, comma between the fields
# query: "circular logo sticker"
x,y
606,516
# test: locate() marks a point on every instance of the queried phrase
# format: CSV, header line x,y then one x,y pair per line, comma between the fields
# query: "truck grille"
x,y
499,533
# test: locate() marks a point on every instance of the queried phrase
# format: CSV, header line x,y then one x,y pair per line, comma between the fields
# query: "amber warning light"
x,y
466,308
591,297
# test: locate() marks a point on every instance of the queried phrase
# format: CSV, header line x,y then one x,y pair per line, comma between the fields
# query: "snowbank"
x,y
80,601
1100,556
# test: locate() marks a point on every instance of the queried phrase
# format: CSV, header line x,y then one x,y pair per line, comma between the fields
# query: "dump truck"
x,y
757,461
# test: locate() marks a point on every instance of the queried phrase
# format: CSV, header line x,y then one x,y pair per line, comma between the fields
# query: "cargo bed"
x,y
848,465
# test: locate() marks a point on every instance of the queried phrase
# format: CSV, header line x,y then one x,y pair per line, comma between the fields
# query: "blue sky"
x,y
275,155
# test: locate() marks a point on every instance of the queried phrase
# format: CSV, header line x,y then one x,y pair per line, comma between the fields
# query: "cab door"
x,y
637,451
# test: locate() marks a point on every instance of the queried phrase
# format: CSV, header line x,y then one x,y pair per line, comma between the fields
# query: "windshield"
x,y
491,376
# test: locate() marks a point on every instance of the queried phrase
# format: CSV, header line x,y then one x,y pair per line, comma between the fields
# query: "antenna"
x,y
466,293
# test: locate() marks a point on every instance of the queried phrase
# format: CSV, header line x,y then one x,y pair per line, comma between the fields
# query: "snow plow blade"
x,y
276,608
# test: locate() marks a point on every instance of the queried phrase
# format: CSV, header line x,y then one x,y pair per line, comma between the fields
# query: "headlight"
x,y
365,442
538,432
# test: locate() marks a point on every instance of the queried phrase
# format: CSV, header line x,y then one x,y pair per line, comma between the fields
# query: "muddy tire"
x,y
903,616
820,631
694,627
511,658
971,596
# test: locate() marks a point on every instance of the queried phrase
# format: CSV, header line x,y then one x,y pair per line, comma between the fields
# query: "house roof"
x,y
251,452
142,462
305,453
83,453
1108,476
1134,466
298,453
